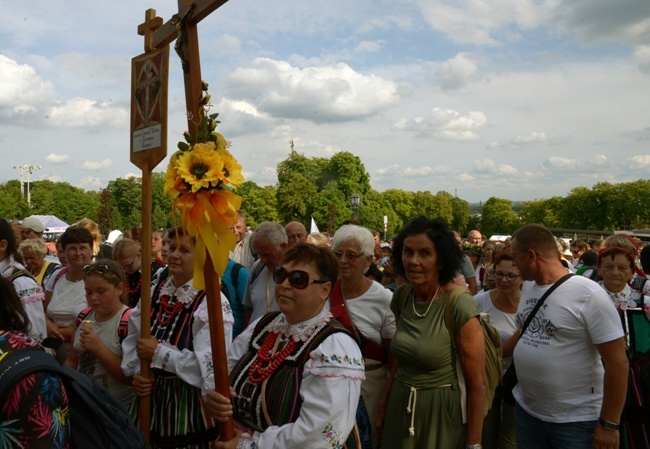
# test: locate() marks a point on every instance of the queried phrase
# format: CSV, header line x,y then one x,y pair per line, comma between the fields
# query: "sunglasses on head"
x,y
297,278
100,268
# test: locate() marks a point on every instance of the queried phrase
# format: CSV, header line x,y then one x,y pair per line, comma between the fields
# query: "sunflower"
x,y
232,169
200,167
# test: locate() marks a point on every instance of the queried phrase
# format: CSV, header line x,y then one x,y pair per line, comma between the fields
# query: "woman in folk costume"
x,y
631,296
295,374
180,354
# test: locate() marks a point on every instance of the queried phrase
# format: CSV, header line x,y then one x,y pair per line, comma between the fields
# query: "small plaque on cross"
x,y
149,74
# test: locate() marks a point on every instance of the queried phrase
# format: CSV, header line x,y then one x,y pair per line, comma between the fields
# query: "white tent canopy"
x,y
52,223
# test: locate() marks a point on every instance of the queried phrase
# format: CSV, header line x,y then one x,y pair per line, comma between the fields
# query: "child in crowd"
x,y
100,329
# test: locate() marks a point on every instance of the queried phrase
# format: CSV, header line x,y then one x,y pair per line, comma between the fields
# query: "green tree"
x,y
498,217
67,202
12,204
105,213
261,205
126,194
545,212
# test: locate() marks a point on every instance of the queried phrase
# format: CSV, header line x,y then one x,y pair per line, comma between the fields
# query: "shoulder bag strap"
x,y
541,302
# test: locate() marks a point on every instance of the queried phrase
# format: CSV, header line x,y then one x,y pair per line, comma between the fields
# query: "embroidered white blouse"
x,y
31,296
194,367
330,389
629,299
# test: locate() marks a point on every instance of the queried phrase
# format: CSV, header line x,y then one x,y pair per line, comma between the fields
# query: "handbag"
x,y
510,377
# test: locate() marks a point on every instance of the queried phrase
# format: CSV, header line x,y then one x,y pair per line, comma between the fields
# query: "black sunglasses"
x,y
297,278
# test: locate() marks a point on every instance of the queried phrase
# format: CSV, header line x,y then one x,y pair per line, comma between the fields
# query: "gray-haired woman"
x,y
363,306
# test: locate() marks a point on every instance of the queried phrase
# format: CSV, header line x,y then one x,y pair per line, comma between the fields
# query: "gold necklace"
x,y
428,308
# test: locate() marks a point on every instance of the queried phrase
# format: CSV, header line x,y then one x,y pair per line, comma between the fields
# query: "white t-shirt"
x,y
371,313
260,295
88,364
504,322
559,368
68,299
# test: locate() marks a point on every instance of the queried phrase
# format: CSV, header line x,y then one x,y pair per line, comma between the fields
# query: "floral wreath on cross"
x,y
199,178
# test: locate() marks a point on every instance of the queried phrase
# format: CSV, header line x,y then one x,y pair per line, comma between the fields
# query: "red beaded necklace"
x,y
134,290
267,353
168,310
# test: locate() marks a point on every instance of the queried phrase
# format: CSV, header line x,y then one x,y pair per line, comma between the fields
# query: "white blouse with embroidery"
x,y
330,389
630,299
31,296
194,367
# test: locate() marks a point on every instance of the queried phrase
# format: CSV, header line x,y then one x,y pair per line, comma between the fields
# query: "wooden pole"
x,y
193,93
218,342
144,412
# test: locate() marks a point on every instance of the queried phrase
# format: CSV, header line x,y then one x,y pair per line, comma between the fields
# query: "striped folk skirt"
x,y
178,415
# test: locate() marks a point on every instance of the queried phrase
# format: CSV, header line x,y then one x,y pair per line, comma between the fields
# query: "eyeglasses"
x,y
129,267
509,276
101,268
349,256
514,256
297,278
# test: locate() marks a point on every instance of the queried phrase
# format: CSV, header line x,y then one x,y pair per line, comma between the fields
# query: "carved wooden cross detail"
x,y
190,13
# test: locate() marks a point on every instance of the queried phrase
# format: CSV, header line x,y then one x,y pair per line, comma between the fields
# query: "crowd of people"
x,y
339,341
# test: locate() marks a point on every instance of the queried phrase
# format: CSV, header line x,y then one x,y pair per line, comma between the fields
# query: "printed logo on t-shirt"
x,y
540,330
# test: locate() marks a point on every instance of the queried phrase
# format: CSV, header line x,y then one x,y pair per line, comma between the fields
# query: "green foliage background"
x,y
321,188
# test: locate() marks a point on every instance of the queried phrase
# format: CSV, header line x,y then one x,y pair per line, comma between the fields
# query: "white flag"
x,y
314,228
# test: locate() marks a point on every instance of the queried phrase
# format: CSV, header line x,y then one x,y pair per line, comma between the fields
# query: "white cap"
x,y
34,224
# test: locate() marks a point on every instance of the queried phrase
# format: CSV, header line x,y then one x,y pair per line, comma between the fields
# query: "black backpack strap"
x,y
20,363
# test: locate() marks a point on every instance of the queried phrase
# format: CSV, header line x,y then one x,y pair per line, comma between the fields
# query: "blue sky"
x,y
519,99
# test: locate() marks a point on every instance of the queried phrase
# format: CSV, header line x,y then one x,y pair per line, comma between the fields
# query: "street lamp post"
x,y
29,169
355,198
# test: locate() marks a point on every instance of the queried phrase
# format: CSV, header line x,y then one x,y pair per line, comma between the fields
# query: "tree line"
x,y
322,187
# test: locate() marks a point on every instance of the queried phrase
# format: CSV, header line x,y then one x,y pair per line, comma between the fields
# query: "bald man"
x,y
296,233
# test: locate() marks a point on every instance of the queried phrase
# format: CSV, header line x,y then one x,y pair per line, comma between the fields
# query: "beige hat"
x,y
34,224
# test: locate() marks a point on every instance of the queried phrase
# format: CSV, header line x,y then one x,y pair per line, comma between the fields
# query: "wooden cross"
x,y
182,27
190,13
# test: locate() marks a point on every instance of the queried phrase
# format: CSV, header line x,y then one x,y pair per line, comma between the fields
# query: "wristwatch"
x,y
473,446
608,424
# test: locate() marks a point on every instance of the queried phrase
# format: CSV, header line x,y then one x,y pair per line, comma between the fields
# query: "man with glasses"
x,y
571,362
270,242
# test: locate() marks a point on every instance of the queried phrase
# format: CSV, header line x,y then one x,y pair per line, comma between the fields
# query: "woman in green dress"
x,y
422,403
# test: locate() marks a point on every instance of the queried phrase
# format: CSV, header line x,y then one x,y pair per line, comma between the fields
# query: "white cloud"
x,y
533,137
22,90
642,56
369,46
387,23
227,44
330,93
491,167
456,72
445,124
420,171
55,178
639,162
391,169
477,21
494,144
242,117
85,113
585,165
53,158
91,182
89,165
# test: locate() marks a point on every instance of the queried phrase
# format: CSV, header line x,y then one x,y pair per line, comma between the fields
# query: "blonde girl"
x,y
100,329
